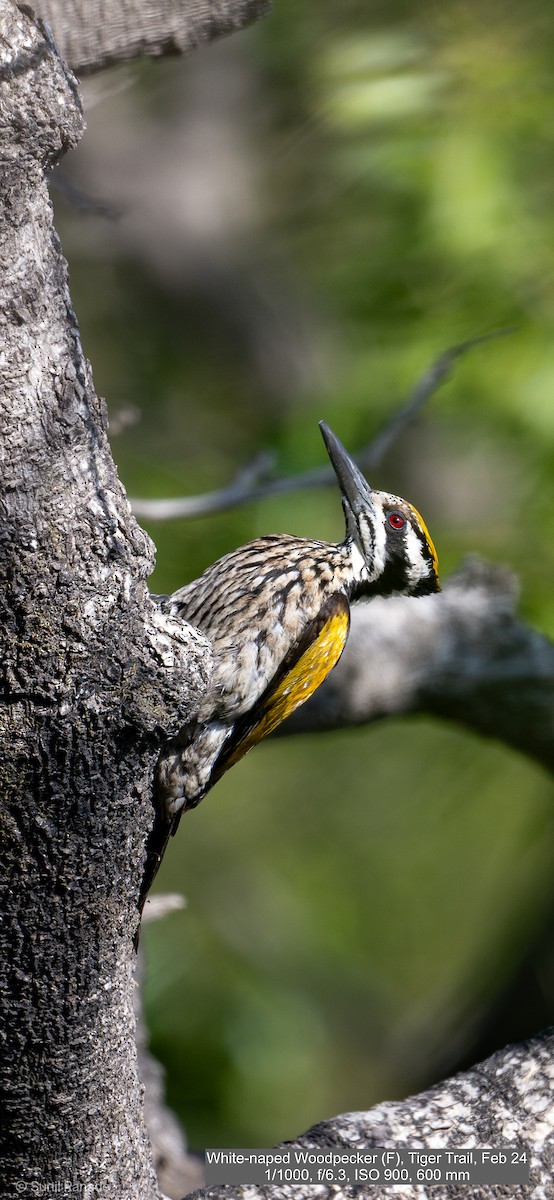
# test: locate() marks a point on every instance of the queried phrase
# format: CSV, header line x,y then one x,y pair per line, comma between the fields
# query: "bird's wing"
x,y
303,669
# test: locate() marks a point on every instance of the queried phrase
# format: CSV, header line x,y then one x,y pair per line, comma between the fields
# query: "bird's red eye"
x,y
397,521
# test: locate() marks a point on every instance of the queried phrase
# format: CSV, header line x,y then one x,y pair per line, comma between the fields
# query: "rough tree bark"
x,y
95,678
92,34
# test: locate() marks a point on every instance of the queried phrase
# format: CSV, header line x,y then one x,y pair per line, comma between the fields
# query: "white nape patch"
x,y
416,566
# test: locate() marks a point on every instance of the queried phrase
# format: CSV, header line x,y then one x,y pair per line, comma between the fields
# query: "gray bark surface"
x,y
93,34
93,679
506,1101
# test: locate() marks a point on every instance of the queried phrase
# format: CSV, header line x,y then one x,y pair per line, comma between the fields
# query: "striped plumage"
x,y
277,613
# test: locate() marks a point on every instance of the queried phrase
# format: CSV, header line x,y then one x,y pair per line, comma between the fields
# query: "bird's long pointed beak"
x,y
353,485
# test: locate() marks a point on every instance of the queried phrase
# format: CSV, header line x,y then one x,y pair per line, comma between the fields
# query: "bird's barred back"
x,y
254,605
261,573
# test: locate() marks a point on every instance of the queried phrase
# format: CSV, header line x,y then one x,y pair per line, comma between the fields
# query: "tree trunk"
x,y
93,679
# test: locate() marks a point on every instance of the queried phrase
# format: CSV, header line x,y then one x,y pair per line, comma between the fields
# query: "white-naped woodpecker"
x,y
277,612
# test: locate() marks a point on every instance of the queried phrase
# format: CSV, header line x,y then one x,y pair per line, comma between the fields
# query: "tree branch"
x,y
91,35
505,1101
461,655
252,483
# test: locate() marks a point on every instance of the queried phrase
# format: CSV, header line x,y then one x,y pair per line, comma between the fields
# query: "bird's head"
x,y
390,546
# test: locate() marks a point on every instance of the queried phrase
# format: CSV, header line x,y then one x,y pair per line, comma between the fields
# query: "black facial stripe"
x,y
394,536
427,586
400,533
394,578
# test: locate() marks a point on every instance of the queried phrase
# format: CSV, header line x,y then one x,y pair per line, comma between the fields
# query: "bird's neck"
x,y
357,580
361,580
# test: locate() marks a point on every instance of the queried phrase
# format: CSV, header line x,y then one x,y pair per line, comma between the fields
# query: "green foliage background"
x,y
355,902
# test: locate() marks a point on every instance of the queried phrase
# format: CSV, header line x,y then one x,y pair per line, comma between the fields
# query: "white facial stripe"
x,y
369,561
416,566
367,548
380,545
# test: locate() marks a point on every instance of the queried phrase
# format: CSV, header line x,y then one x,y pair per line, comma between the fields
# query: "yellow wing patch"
x,y
299,682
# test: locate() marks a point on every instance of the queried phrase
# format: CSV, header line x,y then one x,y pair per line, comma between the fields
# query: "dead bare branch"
x,y
252,482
